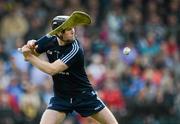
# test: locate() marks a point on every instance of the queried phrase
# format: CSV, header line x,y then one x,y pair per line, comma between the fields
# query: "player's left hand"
x,y
31,44
26,52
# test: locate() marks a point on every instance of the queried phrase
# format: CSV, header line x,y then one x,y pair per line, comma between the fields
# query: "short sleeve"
x,y
72,55
45,43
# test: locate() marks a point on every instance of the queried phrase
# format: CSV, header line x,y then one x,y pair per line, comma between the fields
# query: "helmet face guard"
x,y
58,20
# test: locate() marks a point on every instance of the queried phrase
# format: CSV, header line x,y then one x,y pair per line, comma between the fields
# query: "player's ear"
x,y
62,32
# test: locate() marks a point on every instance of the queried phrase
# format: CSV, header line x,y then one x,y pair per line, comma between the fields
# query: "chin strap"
x,y
60,37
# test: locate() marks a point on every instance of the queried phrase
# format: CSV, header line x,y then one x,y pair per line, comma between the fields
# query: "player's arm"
x,y
49,68
41,45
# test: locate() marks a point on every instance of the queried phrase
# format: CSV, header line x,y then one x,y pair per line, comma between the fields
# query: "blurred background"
x,y
140,88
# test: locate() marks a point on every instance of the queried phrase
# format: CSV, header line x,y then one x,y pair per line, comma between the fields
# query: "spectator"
x,y
145,82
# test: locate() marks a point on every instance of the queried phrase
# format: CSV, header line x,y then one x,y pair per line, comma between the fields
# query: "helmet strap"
x,y
60,37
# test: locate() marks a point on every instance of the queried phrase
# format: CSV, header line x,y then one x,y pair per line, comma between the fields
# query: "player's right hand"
x,y
26,52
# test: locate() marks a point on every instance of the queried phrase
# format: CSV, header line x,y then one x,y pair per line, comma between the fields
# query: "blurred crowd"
x,y
140,88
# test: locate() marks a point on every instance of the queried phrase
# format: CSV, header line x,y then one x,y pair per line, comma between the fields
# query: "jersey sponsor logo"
x,y
57,53
64,73
49,52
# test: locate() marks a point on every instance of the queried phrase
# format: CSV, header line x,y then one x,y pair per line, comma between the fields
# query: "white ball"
x,y
126,50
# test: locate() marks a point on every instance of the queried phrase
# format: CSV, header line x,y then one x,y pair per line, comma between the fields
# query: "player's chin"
x,y
71,38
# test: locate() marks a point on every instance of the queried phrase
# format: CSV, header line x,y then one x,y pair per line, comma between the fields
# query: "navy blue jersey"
x,y
72,81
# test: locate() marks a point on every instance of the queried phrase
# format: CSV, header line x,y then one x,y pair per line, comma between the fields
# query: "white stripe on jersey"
x,y
71,53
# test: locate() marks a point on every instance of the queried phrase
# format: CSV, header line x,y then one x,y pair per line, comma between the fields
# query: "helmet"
x,y
58,20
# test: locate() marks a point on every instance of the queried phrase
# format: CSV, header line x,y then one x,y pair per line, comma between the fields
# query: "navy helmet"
x,y
58,20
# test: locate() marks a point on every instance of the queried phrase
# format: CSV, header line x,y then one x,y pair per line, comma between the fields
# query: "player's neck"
x,y
61,42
